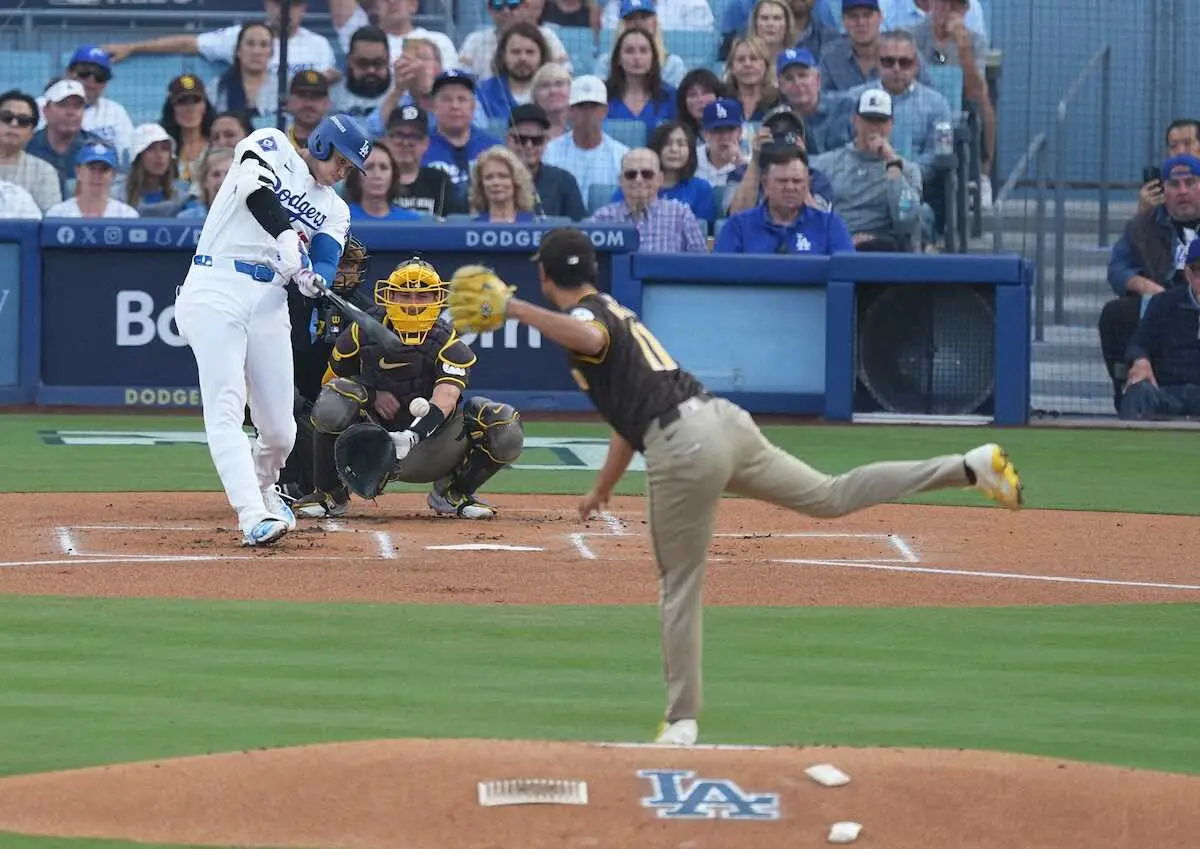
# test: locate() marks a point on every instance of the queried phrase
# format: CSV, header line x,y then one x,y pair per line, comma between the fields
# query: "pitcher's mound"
x,y
423,794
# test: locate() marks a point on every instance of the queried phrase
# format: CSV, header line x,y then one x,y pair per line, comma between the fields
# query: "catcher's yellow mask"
x,y
413,296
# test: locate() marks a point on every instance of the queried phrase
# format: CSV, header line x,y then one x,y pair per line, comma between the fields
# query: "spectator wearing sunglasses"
x,y
520,53
479,48
103,117
555,191
368,74
590,154
676,149
60,141
187,116
664,225
18,117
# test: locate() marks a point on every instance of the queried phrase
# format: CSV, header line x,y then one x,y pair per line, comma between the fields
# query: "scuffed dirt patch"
x,y
421,794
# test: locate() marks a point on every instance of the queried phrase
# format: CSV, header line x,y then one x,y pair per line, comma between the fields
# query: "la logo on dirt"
x,y
679,795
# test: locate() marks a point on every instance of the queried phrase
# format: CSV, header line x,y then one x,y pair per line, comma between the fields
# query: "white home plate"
x,y
483,546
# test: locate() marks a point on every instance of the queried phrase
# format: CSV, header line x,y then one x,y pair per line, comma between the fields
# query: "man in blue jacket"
x,y
1164,356
456,143
784,223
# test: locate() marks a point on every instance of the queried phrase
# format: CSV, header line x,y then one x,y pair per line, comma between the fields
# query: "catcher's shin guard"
x,y
496,438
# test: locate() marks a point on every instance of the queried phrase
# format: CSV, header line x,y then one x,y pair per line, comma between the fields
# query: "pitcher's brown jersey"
x,y
633,380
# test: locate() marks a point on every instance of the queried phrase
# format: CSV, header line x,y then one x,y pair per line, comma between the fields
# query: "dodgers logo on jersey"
x,y
803,245
268,144
299,207
678,794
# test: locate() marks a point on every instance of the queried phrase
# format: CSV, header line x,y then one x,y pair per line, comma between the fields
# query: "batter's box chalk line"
x,y
899,545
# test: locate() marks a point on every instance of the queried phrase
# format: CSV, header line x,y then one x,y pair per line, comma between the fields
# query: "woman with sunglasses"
x,y
187,116
246,86
501,190
636,91
372,194
210,173
103,118
153,186
699,87
18,117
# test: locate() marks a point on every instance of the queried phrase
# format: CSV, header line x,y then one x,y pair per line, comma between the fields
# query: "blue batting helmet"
x,y
343,134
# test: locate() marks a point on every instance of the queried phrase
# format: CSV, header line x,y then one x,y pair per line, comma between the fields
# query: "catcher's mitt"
x,y
478,299
365,457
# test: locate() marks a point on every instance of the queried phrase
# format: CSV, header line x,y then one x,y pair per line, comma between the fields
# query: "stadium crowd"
x,y
801,133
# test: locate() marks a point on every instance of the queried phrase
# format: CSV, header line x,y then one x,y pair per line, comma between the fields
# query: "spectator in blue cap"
x,y
456,143
643,14
1149,258
672,15
721,153
96,166
1163,379
104,118
826,114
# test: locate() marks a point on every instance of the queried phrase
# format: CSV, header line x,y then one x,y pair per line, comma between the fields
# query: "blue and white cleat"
x,y
276,504
265,532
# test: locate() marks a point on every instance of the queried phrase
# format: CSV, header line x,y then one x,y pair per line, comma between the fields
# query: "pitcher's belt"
x,y
253,270
683,407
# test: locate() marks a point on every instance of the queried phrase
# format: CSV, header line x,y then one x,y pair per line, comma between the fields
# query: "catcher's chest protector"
x,y
410,375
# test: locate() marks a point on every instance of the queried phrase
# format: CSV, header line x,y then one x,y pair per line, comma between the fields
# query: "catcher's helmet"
x,y
345,135
413,295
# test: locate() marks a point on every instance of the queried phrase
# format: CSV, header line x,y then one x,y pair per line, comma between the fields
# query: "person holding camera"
x,y
781,127
1183,137
785,222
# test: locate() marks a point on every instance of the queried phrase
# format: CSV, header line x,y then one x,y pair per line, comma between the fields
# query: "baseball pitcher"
x,y
364,434
696,446
276,219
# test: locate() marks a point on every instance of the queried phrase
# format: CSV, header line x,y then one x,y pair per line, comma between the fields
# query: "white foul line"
x,y
383,541
1007,576
614,525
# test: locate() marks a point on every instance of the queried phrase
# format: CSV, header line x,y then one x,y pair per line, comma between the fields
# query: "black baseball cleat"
x,y
322,505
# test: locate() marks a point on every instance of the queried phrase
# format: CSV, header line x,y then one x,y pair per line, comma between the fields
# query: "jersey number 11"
x,y
655,354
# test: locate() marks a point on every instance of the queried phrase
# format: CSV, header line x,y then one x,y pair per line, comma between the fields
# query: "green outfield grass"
x,y
1132,471
91,681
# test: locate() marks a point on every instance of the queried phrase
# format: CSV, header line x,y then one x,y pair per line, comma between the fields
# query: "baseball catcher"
x,y
316,325
364,434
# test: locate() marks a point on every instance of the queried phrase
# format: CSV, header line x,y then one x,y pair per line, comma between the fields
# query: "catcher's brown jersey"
x,y
633,380
442,358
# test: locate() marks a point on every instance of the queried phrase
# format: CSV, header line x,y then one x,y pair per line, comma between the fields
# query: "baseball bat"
x,y
371,326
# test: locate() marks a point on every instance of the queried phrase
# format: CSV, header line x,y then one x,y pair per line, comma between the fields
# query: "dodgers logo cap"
x,y
722,113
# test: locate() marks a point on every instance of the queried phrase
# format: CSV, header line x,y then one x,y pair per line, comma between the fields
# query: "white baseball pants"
x,y
240,333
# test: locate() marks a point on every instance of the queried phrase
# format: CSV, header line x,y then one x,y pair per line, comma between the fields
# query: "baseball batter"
x,y
275,219
696,447
458,445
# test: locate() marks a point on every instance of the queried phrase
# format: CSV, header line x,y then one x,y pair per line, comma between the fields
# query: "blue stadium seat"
x,y
498,128
580,45
948,79
598,195
208,71
628,133
140,84
717,225
27,70
694,47
261,121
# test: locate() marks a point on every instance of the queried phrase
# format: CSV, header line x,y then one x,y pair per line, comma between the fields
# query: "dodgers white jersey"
x,y
230,230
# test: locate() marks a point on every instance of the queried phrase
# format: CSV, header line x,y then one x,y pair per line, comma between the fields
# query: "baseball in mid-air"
x,y
418,407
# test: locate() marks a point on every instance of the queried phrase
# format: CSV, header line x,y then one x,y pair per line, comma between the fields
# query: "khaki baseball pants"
x,y
714,447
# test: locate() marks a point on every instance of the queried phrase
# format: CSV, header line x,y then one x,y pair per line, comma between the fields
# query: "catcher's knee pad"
x,y
339,405
496,437
494,428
